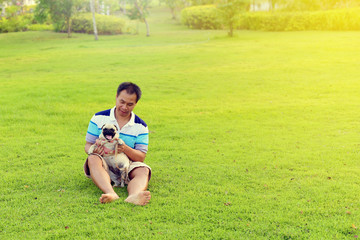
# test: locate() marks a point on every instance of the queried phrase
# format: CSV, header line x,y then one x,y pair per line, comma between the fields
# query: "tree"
x,y
230,11
2,7
92,7
140,11
201,2
13,5
61,12
175,6
109,7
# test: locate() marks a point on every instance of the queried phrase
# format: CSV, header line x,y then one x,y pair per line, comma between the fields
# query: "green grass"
x,y
254,137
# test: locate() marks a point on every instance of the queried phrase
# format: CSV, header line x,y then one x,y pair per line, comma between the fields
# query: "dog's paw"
x,y
91,149
120,141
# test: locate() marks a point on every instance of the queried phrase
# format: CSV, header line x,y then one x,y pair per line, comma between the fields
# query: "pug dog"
x,y
118,163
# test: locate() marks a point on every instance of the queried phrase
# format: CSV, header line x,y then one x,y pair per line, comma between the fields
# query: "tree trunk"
x,y
68,20
231,29
147,28
3,13
92,7
270,5
142,17
173,13
123,6
97,6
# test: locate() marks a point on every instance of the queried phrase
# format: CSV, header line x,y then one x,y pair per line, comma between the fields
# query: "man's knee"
x,y
94,161
139,171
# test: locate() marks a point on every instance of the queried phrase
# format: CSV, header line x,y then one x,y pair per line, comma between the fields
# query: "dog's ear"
x,y
103,126
116,127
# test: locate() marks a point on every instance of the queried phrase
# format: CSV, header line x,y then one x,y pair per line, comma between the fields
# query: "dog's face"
x,y
109,132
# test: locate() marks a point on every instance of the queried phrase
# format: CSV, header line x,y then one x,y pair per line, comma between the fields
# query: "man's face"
x,y
125,103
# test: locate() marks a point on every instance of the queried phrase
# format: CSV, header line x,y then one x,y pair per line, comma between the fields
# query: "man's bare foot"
x,y
141,198
108,197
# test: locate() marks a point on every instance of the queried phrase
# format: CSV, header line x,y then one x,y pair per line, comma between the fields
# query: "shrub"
x,y
207,17
15,24
105,24
19,23
201,17
339,19
40,27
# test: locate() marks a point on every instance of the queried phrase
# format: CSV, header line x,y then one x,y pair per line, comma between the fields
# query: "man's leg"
x,y
101,179
139,179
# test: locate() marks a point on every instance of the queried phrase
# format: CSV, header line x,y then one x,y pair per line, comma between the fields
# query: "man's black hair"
x,y
130,88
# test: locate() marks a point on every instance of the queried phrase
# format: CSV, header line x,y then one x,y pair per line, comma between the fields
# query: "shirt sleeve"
x,y
142,141
93,131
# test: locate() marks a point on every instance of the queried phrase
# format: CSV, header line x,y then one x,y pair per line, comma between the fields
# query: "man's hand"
x,y
121,148
99,149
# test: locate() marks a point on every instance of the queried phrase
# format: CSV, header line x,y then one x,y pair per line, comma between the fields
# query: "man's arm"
x,y
133,154
87,147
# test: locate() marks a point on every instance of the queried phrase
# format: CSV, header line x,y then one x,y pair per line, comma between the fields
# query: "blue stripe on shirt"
x,y
103,113
143,134
92,134
139,121
95,124
142,139
127,135
93,129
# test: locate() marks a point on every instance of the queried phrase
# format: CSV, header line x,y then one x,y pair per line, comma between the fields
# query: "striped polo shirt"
x,y
135,133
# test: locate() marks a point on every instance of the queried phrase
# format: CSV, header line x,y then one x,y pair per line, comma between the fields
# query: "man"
x,y
134,132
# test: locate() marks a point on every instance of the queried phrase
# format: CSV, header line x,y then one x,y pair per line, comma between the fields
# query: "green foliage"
x,y
201,17
339,19
175,6
19,19
15,24
139,9
41,14
208,17
40,27
110,5
12,11
201,2
133,13
61,12
315,5
106,25
28,8
230,11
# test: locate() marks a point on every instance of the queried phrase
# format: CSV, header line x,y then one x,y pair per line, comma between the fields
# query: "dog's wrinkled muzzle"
x,y
108,133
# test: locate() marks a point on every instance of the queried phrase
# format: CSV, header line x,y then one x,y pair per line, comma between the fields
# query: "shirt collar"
x,y
131,121
112,113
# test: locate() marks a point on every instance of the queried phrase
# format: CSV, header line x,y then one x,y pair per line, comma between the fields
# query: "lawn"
x,y
251,137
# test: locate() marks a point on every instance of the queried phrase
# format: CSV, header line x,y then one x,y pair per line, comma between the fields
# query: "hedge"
x,y
201,17
339,19
40,27
206,17
15,24
106,25
81,24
